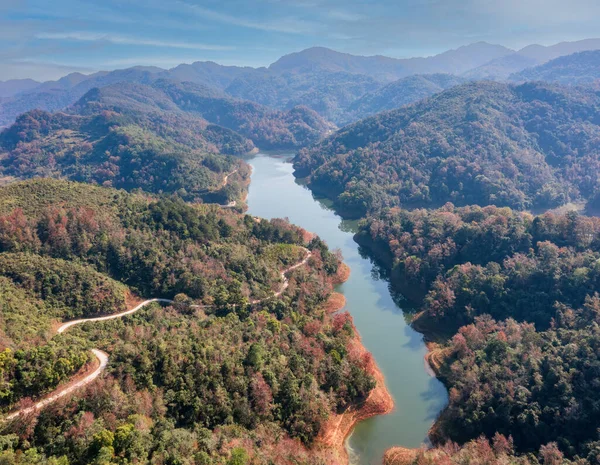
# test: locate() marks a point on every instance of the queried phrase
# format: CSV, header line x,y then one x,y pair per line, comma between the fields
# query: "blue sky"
x,y
46,39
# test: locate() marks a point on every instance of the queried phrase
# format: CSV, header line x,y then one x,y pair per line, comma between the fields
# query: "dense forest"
x,y
267,128
520,294
159,153
399,93
227,383
328,93
527,146
577,69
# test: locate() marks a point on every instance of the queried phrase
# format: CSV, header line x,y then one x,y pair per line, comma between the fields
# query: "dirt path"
x,y
102,357
233,203
68,324
286,281
68,389
226,178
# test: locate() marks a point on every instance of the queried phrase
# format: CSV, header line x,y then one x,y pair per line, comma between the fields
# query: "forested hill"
x,y
267,128
328,93
156,152
579,68
527,146
183,385
514,297
399,93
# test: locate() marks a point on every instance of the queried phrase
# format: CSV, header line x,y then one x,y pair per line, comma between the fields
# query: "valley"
x,y
379,318
338,258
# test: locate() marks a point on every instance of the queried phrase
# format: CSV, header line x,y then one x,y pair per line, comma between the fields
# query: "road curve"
x,y
286,281
103,356
233,203
68,324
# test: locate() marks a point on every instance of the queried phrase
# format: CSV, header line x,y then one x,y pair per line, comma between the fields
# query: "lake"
x,y
380,320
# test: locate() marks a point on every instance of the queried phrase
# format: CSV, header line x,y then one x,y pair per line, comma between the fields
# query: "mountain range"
x,y
331,83
576,69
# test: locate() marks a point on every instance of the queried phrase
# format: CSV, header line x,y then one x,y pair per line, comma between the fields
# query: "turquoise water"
x,y
397,348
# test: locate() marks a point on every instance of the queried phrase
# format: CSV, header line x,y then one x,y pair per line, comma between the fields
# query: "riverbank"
x,y
380,253
400,456
382,327
337,429
335,432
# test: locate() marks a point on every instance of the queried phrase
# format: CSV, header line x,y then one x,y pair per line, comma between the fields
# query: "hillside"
x,y
183,378
400,93
502,67
266,127
157,152
327,93
483,143
576,69
388,69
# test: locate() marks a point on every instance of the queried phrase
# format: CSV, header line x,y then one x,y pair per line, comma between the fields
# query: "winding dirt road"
x,y
233,203
103,356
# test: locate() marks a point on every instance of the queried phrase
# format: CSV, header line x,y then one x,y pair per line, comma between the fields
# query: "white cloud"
x,y
342,15
125,40
288,25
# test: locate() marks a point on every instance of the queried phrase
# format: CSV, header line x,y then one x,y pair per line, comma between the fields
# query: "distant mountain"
x,y
209,73
527,146
328,93
579,68
399,93
545,53
266,127
382,68
321,79
321,59
501,68
15,86
458,61
56,95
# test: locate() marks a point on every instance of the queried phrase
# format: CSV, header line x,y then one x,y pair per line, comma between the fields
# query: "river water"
x,y
397,348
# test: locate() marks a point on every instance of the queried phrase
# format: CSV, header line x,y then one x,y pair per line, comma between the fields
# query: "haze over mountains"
x,y
329,82
532,55
578,68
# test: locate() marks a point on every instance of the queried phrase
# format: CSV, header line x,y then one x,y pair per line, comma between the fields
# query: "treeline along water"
x,y
397,348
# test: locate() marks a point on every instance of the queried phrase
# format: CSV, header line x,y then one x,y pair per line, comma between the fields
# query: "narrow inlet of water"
x,y
397,348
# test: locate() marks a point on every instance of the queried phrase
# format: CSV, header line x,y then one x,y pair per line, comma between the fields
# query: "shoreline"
x,y
338,428
333,436
433,361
